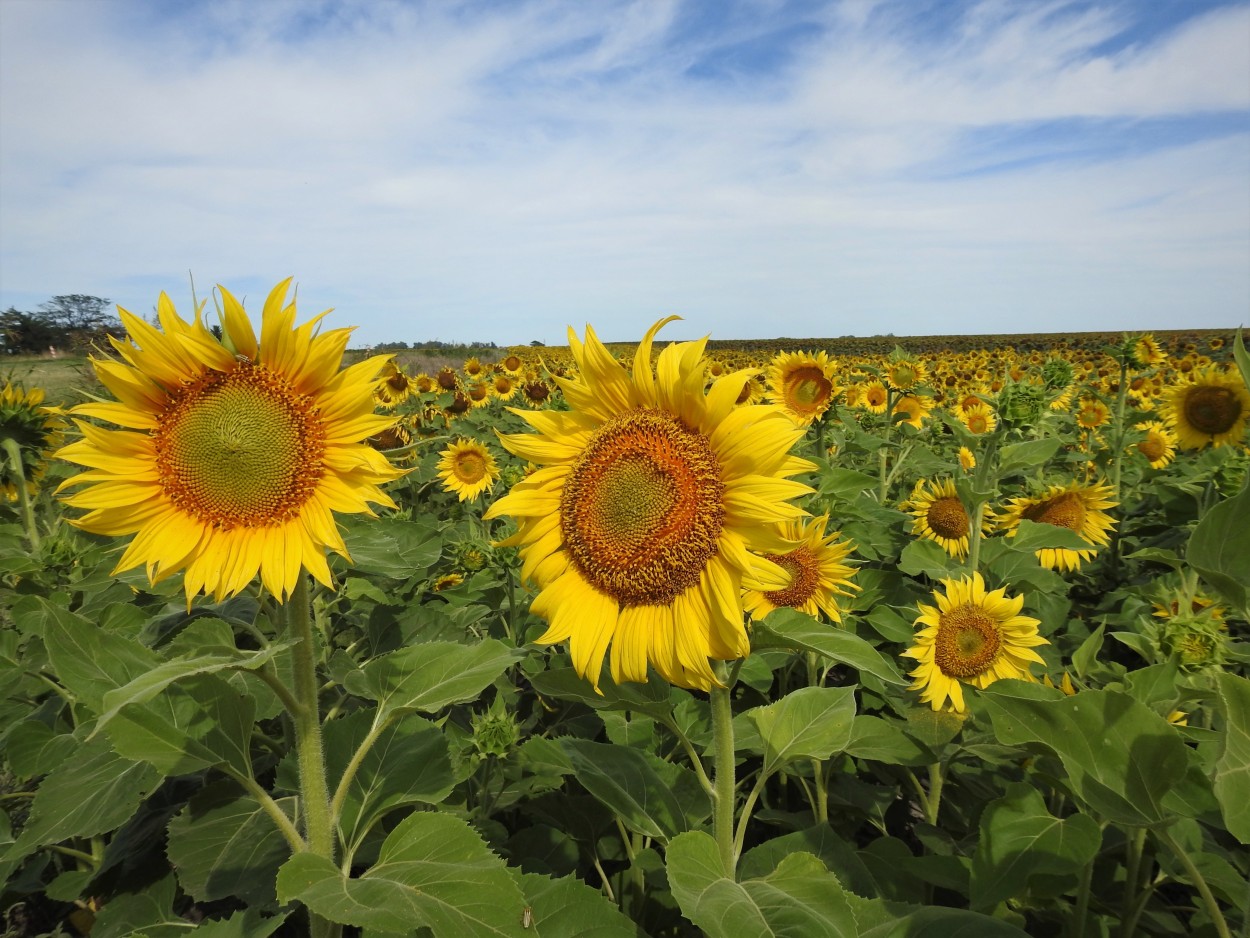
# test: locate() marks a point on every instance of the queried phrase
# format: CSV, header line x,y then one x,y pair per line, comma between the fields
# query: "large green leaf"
x,y
1021,839
1232,768
398,548
147,913
654,698
789,628
92,793
1122,758
223,844
1034,535
246,924
1021,457
90,661
885,741
34,748
650,796
433,870
809,723
1219,548
430,676
568,908
798,899
927,558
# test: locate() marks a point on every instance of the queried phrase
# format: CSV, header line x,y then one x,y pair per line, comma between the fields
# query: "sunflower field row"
x,y
666,639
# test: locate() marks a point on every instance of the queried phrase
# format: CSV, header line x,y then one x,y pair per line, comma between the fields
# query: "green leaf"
x,y
1120,756
33,748
927,558
431,676
844,483
789,628
809,723
903,921
885,741
245,924
836,852
433,870
654,698
1084,658
568,908
1021,457
88,661
1033,536
92,793
650,796
398,548
223,844
1219,548
1021,839
800,898
1232,768
148,913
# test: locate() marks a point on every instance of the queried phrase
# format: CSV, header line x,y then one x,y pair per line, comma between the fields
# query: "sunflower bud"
x,y
1021,405
495,733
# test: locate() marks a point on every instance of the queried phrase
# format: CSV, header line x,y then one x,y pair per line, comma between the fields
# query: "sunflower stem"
x,y
313,789
1208,898
883,454
1134,844
23,496
974,538
725,783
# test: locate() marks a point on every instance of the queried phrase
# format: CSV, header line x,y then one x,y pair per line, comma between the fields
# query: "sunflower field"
x,y
666,639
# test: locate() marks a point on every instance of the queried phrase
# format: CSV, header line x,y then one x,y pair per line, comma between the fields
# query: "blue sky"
x,y
497,171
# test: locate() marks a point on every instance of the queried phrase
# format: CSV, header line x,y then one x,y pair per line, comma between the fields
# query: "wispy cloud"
x,y
493,171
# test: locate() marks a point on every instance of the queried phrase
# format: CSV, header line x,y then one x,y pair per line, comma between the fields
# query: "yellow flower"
x,y
940,516
1159,446
468,469
915,408
34,430
1147,353
234,454
473,368
640,528
1210,407
1076,506
802,382
503,385
978,418
967,459
973,637
448,581
903,374
512,364
817,571
1091,413
875,397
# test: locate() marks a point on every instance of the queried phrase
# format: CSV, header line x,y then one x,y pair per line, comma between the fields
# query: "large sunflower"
x,y
802,383
639,529
1210,407
468,469
233,454
1077,506
972,637
816,568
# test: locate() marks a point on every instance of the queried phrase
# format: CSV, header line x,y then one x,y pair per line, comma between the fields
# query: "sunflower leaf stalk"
x,y
724,781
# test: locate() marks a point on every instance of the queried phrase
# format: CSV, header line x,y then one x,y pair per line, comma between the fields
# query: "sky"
x,y
497,171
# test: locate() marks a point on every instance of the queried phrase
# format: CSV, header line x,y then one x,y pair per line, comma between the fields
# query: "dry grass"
x,y
66,379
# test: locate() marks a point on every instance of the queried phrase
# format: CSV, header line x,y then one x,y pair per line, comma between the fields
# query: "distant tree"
x,y
537,343
26,332
81,321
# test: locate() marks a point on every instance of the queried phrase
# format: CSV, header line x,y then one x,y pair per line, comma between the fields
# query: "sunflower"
x,y
978,418
905,373
447,379
817,571
972,637
503,386
393,386
424,384
512,364
467,468
473,368
1077,506
1159,446
234,453
1092,413
802,382
940,516
753,391
967,459
33,429
1147,352
640,528
535,391
1211,407
875,397
479,393
448,581
915,409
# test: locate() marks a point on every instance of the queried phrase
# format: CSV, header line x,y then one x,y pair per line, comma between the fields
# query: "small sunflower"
x,y
978,418
424,384
915,410
393,386
468,469
905,373
875,397
1147,352
967,459
512,364
34,429
503,385
972,637
474,368
234,454
1210,407
648,517
753,391
447,379
1092,413
1159,446
479,393
940,516
1077,506
535,391
448,581
802,382
816,568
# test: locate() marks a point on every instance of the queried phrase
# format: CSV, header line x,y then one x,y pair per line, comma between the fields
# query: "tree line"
x,y
72,323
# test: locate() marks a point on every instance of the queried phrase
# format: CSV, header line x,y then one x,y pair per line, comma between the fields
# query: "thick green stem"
x,y
724,781
820,790
883,454
1133,846
313,789
1208,898
974,537
1120,430
1082,901
23,496
934,801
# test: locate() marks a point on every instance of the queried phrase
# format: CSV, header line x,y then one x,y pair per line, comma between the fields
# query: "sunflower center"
x,y
1153,447
1212,410
1064,511
948,518
807,389
240,448
803,567
469,467
642,510
968,642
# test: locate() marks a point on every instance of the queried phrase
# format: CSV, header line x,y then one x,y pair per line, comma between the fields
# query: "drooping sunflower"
x,y
393,386
1147,352
468,469
940,516
802,383
972,637
35,430
233,454
1211,408
1077,506
1159,446
640,528
535,391
816,568
447,378
967,459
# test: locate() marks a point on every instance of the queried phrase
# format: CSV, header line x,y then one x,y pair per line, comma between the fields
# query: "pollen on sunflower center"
x,y
239,448
642,510
804,569
1212,410
967,642
948,518
1065,511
